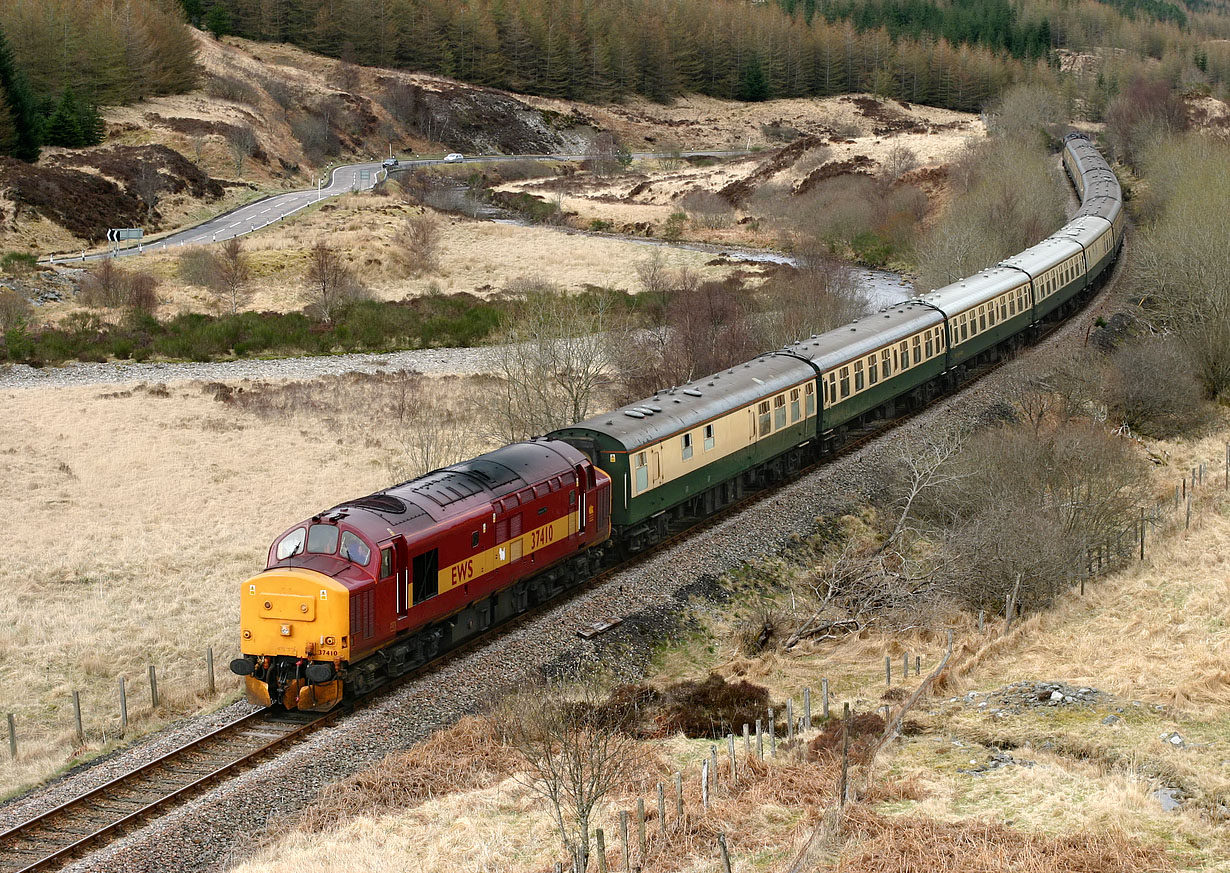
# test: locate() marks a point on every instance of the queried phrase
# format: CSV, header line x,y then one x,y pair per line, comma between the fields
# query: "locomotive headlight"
x,y
329,641
285,630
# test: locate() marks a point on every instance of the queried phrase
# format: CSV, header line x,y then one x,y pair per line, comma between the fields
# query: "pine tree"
x,y
93,130
218,21
753,86
24,120
8,133
64,126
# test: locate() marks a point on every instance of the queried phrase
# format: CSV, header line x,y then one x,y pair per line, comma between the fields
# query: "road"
x,y
343,180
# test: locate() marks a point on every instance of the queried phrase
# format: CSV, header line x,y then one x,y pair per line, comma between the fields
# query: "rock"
x,y
1111,719
1056,697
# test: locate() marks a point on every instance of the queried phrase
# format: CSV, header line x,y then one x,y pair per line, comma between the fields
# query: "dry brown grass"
x,y
883,844
135,515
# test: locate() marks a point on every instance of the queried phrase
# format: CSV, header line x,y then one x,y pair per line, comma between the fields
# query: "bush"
x,y
14,309
1152,389
18,263
707,209
224,87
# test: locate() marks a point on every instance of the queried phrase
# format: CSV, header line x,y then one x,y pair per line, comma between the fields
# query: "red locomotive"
x,y
379,585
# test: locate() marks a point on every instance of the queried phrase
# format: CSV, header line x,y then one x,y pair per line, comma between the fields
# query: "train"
x,y
376,586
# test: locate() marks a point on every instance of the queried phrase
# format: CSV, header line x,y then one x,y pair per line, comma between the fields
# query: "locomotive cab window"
x,y
687,446
292,544
425,572
708,437
474,540
386,563
355,550
322,539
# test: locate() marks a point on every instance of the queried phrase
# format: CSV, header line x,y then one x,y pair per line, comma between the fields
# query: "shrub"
x,y
18,263
14,309
707,209
1152,389
223,87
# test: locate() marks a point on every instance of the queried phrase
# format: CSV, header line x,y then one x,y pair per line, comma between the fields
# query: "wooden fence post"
x,y
12,737
623,832
789,719
730,750
661,809
640,829
1188,522
704,784
1142,533
807,706
123,708
153,685
824,699
724,852
601,850
747,739
772,734
77,716
918,665
209,669
905,665
713,771
888,670
759,740
845,754
679,796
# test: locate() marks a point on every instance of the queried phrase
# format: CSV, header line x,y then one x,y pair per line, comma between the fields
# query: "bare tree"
x,y
707,209
331,284
14,309
427,433
420,238
607,156
148,185
575,752
231,276
821,293
900,160
556,358
242,143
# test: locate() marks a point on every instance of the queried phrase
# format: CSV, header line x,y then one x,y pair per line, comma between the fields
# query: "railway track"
x,y
65,832
92,819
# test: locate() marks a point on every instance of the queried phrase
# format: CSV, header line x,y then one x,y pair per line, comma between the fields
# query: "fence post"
x,y
1228,466
679,795
725,853
772,734
640,829
747,739
153,685
601,837
905,665
730,750
824,698
661,809
713,771
77,716
209,669
1142,533
1188,522
845,754
759,740
807,706
12,737
918,665
123,708
704,784
789,718
623,832
888,670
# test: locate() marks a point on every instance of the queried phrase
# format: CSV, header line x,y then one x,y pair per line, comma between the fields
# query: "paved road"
x,y
343,180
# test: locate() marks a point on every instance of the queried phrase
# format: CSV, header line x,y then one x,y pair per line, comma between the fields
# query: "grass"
x,y
134,533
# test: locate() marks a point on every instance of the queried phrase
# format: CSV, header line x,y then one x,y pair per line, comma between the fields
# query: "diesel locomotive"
x,y
378,585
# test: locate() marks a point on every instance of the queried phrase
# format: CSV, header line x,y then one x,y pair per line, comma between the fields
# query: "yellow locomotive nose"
x,y
295,630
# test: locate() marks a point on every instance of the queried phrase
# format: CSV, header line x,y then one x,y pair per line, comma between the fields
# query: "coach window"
x,y
811,399
794,404
779,411
830,394
845,382
886,363
708,437
1012,304
982,318
905,356
858,375
917,349
687,446
642,472
930,342
355,550
964,328
766,421
873,372
322,539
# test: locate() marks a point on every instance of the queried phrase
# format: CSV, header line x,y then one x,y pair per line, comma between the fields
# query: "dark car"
x,y
389,162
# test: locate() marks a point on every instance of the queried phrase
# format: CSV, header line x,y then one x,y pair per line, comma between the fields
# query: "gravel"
x,y
438,361
223,826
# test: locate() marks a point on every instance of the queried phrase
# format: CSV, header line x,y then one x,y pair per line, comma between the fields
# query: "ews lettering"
x,y
542,536
463,572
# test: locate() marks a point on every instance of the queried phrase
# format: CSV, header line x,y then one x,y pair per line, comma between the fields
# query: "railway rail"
x,y
86,822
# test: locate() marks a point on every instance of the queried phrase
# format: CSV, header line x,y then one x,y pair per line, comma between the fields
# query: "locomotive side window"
x,y
426,575
386,563
354,549
322,539
292,544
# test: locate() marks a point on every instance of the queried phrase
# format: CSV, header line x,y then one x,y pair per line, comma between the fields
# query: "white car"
x,y
454,158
